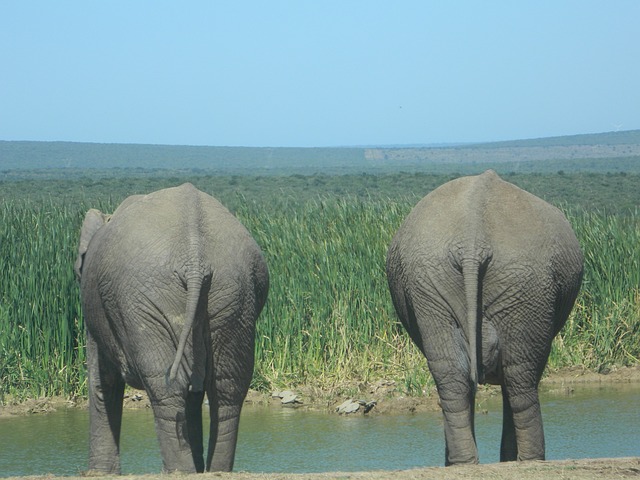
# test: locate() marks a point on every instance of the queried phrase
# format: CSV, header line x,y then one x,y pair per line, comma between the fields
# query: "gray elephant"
x,y
483,275
171,286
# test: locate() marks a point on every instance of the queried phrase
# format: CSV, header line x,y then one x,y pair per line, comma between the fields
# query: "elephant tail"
x,y
194,287
472,271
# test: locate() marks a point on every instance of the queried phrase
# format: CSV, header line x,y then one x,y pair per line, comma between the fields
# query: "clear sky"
x,y
312,73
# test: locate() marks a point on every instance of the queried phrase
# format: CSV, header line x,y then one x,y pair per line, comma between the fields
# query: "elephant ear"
x,y
93,221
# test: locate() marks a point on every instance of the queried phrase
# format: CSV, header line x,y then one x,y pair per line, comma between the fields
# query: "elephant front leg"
x,y
106,392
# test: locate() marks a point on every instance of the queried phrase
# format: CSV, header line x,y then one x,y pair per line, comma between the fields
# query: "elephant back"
x,y
177,216
485,211
174,233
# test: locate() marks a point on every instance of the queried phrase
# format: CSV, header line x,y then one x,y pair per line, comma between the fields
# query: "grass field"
x,y
329,320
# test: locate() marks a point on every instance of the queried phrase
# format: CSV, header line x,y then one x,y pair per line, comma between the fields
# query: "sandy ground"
x,y
602,469
562,382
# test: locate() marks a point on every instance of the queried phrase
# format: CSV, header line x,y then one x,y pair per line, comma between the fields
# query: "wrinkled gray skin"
x,y
171,286
483,275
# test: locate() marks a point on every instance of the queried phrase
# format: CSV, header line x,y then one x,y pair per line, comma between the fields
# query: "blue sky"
x,y
316,73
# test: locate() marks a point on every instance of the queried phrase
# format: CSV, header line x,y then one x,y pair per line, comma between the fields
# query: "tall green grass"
x,y
329,321
41,332
604,326
329,318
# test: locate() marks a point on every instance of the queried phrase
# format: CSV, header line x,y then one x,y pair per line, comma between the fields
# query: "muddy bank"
x,y
385,394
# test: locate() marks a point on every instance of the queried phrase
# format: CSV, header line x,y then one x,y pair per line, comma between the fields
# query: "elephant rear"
x,y
172,285
483,275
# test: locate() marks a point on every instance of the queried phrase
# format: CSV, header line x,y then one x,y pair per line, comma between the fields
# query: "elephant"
x,y
483,275
171,285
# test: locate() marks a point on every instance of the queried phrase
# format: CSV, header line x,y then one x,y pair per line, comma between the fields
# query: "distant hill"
x,y
627,137
603,152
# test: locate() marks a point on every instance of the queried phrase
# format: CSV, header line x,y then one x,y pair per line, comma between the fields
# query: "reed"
x,y
329,321
41,331
604,326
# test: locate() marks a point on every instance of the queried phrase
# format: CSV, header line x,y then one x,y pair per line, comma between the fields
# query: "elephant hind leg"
x,y
233,344
522,430
194,428
106,393
223,437
178,421
508,445
457,399
529,431
459,432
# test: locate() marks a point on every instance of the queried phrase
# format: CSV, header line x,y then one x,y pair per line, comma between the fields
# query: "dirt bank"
x,y
384,393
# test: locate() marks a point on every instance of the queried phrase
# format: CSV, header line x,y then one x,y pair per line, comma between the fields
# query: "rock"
x,y
290,398
287,397
349,406
352,406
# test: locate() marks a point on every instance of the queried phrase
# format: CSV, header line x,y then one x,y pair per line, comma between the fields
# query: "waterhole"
x,y
590,422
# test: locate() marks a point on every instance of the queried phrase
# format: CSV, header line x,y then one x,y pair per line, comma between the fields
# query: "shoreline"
x,y
388,400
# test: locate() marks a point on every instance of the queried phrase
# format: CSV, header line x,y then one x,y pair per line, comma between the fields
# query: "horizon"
x,y
391,146
607,151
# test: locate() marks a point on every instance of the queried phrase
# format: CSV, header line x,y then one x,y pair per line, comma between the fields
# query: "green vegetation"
x,y
610,192
41,333
604,327
329,320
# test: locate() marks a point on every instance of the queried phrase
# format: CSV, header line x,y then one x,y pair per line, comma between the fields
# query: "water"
x,y
592,422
